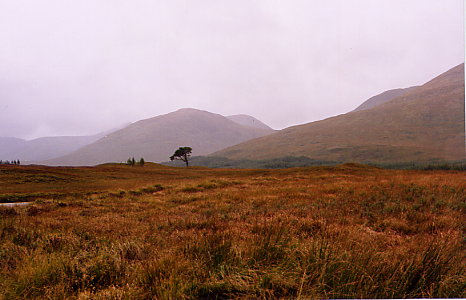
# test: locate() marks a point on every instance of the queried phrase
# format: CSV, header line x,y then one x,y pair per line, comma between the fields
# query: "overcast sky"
x,y
71,67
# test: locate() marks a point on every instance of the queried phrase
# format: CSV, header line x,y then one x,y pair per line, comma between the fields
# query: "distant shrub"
x,y
7,162
131,161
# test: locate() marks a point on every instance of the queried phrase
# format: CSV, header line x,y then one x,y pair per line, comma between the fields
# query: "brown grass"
x,y
124,232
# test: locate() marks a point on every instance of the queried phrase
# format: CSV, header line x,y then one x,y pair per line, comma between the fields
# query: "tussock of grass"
x,y
339,232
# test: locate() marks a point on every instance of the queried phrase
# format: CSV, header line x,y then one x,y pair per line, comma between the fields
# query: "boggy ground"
x,y
120,232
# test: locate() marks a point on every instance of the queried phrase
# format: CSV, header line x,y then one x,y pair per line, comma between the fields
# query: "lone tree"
x,y
182,153
141,162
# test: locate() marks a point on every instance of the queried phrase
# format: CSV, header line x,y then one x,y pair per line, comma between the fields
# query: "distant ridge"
x,y
45,148
427,123
246,120
383,98
155,139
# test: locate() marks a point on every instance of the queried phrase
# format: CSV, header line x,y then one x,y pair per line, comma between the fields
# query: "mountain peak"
x,y
190,110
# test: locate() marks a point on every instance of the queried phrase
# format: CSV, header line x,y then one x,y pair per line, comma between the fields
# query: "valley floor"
x,y
116,231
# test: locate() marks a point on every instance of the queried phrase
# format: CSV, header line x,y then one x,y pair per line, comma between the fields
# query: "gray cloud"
x,y
78,67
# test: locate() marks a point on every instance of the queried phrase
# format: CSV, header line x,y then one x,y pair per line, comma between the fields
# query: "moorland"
x,y
120,232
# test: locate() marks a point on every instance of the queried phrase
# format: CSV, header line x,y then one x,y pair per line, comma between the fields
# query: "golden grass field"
x,y
121,232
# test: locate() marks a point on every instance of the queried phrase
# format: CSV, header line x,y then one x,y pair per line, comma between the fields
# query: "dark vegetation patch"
x,y
210,185
43,178
426,165
276,163
301,161
29,197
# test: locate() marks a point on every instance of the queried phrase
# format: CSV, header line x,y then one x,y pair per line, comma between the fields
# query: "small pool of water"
x,y
14,204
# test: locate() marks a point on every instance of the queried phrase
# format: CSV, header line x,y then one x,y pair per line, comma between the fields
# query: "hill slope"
x,y
246,120
9,147
43,148
157,138
424,124
383,98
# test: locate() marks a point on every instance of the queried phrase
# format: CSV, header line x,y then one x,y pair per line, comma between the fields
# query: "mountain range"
x,y
156,139
420,124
